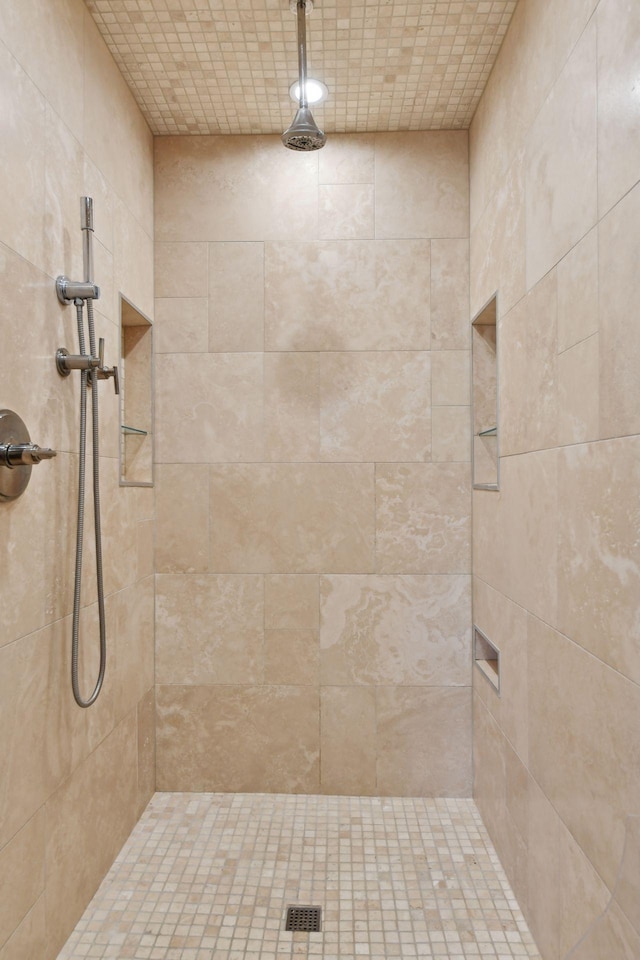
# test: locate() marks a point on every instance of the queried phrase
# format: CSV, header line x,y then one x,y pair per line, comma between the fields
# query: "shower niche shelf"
x,y
136,397
487,658
484,377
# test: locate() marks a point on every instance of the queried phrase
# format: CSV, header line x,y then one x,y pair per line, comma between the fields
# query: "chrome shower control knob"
x,y
17,455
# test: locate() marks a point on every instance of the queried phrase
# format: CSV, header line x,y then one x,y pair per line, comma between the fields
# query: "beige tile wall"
x,y
72,782
555,228
313,528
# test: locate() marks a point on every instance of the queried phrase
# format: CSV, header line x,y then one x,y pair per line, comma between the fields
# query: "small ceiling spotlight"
x,y
316,91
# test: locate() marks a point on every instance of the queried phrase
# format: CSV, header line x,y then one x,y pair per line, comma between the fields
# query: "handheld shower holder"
x,y
69,291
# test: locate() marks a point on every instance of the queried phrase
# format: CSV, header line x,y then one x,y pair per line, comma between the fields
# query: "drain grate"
x,y
307,919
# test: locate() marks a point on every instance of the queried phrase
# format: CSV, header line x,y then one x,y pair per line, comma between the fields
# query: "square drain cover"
x,y
307,919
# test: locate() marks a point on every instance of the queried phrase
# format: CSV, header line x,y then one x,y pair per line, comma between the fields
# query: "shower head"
x,y
304,133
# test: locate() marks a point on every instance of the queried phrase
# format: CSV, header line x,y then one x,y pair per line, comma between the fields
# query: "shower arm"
x,y
301,10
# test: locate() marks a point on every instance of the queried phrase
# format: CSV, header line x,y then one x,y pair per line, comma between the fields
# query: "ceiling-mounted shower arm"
x,y
301,13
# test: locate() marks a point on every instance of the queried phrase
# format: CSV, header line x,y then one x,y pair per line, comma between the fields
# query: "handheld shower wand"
x,y
91,367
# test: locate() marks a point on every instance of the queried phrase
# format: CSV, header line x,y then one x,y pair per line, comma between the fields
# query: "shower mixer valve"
x,y
66,362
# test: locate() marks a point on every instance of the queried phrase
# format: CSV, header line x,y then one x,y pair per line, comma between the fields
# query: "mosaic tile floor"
x,y
209,877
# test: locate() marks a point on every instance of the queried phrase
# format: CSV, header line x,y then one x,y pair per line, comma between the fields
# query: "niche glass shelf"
x,y
491,432
134,430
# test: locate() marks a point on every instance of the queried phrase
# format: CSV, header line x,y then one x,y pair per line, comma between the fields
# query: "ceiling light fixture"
x,y
316,91
304,133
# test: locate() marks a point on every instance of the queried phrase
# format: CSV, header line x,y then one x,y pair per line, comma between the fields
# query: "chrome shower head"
x,y
304,133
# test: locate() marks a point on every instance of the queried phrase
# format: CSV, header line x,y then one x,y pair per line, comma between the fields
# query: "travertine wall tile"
x,y
598,522
395,630
292,406
423,518
450,294
584,709
450,434
412,763
198,416
577,279
269,450
21,874
618,23
348,740
422,185
182,522
57,80
375,406
294,518
292,602
210,629
30,937
238,738
528,399
578,392
181,325
234,188
339,295
345,211
619,284
559,539
236,297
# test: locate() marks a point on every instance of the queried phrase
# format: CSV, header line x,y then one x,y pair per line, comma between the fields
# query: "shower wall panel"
x,y
555,228
313,527
72,781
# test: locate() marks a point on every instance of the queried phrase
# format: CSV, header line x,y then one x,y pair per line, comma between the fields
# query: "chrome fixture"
x,y
92,368
303,134
17,455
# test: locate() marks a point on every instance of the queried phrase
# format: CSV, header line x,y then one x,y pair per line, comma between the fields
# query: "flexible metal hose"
x,y
84,384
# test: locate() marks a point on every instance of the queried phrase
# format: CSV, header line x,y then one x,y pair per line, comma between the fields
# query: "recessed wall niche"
x,y
484,364
136,397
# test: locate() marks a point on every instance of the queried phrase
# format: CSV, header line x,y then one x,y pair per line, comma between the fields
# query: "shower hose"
x,y
88,379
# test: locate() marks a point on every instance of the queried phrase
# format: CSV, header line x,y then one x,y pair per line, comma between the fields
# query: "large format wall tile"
x,y
375,406
30,937
422,185
210,629
198,415
561,164
238,738
348,745
423,518
395,630
292,406
498,244
234,188
450,294
338,295
292,518
88,820
598,550
619,287
236,296
423,741
528,401
267,471
515,532
582,709
176,550
577,279
21,874
618,107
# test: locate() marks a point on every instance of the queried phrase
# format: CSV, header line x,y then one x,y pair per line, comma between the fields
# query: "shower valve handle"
x,y
105,372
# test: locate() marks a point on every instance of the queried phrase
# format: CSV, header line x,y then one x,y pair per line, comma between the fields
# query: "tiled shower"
x,y
290,605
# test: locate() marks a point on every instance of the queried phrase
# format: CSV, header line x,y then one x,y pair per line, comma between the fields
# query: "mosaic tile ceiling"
x,y
225,66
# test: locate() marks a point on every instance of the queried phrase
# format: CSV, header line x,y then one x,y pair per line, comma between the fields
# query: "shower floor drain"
x,y
306,919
